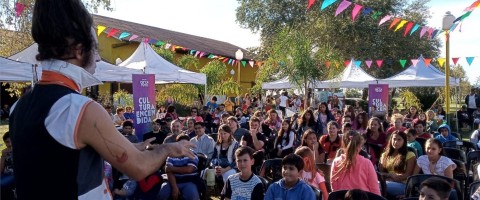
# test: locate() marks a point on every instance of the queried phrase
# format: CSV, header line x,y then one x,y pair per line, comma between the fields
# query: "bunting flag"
x,y
402,23
441,61
469,60
415,28
244,63
168,45
369,63
414,62
422,32
112,32
435,33
427,61
100,29
366,11
327,64
454,26
455,60
462,17
379,63
358,63
408,28
197,53
394,22
123,35
251,63
384,19
310,3
430,32
160,43
225,60
19,7
403,62
344,5
355,11
346,63
133,37
201,54
327,3
145,40
376,14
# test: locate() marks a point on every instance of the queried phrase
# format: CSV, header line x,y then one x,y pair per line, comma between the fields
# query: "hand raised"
x,y
180,149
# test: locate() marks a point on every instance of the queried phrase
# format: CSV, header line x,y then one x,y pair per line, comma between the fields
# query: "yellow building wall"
x,y
112,48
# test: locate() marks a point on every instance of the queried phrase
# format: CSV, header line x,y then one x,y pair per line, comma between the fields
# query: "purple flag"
x,y
344,5
377,99
144,102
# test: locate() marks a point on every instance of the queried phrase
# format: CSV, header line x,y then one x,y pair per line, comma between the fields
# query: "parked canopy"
x,y
14,71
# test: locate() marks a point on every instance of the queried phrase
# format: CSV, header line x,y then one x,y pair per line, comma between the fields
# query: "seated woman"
x,y
273,120
284,140
397,124
309,139
361,122
397,164
375,138
353,171
331,142
346,140
434,162
306,122
224,153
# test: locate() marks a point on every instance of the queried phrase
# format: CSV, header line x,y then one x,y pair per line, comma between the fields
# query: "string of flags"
x,y
403,62
397,22
124,35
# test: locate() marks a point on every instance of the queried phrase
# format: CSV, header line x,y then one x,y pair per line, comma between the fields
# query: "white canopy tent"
x,y
14,71
353,76
419,76
104,71
146,59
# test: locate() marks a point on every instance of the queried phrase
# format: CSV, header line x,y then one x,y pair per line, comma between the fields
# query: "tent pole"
x,y
205,96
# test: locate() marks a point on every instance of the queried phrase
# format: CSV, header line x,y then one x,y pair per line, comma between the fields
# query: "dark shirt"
x,y
159,137
248,138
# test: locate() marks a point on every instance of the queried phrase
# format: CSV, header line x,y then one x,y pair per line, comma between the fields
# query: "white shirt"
x,y
474,137
283,101
471,101
442,164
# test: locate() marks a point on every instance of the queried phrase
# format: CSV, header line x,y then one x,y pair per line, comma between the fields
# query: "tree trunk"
x,y
305,102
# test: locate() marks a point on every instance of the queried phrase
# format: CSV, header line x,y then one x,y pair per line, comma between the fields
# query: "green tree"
x,y
362,39
217,79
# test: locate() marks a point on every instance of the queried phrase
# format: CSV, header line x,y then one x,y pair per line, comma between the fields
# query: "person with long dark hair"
x,y
307,121
284,140
323,116
310,140
397,164
434,162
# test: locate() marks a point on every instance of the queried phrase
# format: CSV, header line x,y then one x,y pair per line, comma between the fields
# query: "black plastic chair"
x,y
473,187
326,169
412,188
340,195
462,145
422,142
454,153
214,136
272,170
460,174
383,184
374,151
318,193
472,159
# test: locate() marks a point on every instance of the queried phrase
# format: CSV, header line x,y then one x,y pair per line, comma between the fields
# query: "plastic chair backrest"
x,y
318,193
473,158
473,187
214,136
340,194
422,142
202,161
413,150
462,145
454,153
272,169
412,188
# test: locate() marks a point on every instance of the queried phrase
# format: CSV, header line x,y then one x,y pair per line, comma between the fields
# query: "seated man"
x,y
463,117
127,131
180,172
156,133
205,144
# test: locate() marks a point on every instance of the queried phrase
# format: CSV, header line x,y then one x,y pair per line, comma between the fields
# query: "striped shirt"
x,y
237,189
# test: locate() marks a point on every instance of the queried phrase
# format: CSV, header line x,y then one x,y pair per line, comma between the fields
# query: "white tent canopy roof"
x,y
16,71
145,58
352,77
278,84
419,76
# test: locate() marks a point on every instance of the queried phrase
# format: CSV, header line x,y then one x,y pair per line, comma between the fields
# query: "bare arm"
x,y
96,130
2,161
408,172
258,144
416,170
449,172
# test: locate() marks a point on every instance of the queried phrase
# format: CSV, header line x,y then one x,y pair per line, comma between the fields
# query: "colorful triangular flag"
x,y
414,62
376,14
344,5
123,35
402,23
112,32
310,3
470,60
414,28
244,63
367,11
327,3
358,63
100,29
379,63
327,64
355,11
346,63
422,32
133,37
394,22
408,28
455,60
441,61
369,63
427,61
19,7
384,19
251,63
403,62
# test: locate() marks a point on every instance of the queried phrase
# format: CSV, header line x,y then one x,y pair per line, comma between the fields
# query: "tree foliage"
x,y
217,79
362,39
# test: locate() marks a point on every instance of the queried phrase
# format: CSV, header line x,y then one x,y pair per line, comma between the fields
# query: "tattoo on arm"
x,y
123,157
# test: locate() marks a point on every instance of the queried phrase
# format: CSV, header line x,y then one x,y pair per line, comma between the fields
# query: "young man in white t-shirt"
x,y
283,103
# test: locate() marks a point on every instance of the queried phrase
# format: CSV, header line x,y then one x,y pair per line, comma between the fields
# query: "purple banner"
x,y
377,99
144,102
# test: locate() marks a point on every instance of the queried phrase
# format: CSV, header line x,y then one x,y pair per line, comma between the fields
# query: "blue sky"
x,y
216,19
